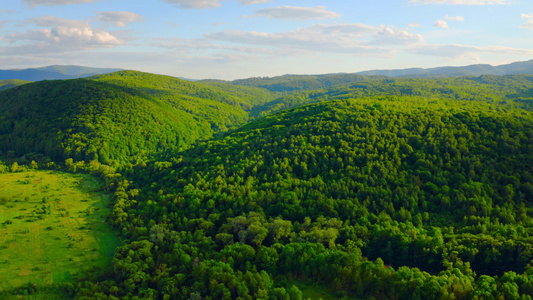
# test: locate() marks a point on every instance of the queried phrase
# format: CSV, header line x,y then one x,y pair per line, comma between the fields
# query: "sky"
x,y
231,39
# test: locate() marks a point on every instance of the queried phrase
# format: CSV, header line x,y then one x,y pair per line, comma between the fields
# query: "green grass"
x,y
52,228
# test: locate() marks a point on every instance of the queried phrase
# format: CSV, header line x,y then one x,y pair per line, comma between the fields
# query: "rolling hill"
x,y
486,88
115,118
363,187
288,84
525,67
385,197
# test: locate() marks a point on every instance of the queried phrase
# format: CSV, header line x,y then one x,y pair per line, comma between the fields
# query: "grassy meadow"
x,y
52,228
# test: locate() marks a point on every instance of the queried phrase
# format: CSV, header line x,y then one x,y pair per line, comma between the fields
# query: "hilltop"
x,y
87,119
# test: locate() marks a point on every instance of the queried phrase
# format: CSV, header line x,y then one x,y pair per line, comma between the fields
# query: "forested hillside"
x,y
390,197
292,83
486,88
9,83
111,120
195,94
365,187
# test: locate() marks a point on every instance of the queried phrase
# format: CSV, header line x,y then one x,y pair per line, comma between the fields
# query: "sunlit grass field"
x,y
52,228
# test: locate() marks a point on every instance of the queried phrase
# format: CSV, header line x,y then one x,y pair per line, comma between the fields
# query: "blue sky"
x,y
229,39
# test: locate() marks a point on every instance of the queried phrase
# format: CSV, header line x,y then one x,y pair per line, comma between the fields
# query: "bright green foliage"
x,y
387,188
88,119
9,83
201,95
391,197
52,229
512,89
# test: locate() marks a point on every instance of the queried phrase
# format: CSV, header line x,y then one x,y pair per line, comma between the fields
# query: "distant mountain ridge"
x,y
290,83
524,67
53,72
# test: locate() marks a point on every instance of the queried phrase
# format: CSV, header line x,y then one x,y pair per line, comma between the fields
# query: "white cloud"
x,y
4,11
3,22
529,24
197,45
51,21
458,18
441,24
194,3
414,24
72,37
248,2
461,2
456,51
396,36
321,38
33,3
297,13
59,36
119,18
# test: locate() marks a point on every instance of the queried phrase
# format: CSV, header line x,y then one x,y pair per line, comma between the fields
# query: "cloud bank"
x,y
461,2
458,18
33,3
194,3
248,2
119,18
58,36
457,51
297,13
441,24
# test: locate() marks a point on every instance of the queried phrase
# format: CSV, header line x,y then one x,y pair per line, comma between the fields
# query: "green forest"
x,y
361,187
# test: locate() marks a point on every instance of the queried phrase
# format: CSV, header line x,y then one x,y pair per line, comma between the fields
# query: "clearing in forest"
x,y
52,228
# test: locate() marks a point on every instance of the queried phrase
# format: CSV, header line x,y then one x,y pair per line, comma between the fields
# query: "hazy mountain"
x,y
290,83
525,67
53,72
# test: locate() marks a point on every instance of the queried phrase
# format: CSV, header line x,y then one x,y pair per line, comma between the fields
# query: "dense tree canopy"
x,y
386,188
356,194
114,118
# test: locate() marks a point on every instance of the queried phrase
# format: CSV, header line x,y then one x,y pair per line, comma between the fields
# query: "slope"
x,y
355,194
215,99
294,83
486,88
119,117
9,83
86,120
